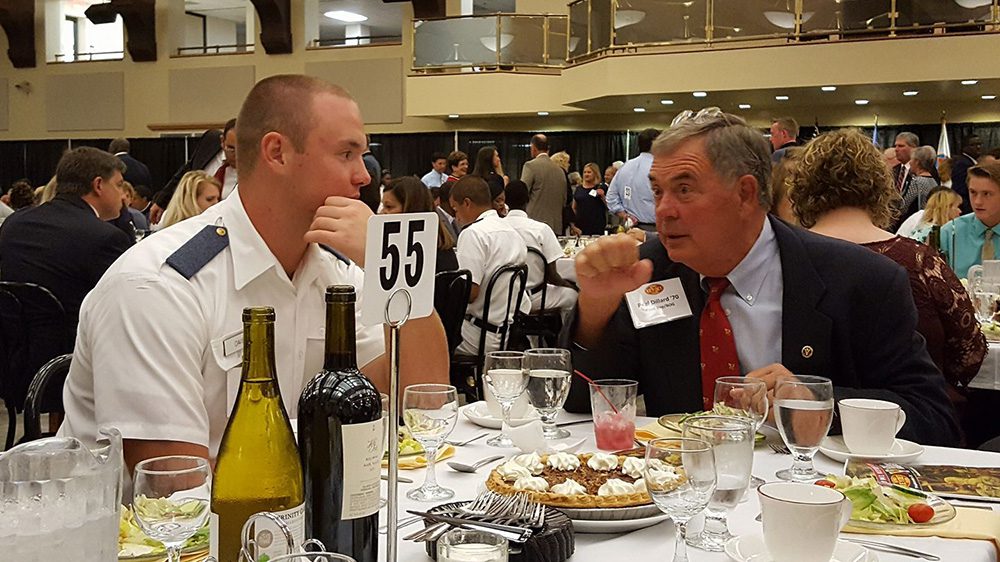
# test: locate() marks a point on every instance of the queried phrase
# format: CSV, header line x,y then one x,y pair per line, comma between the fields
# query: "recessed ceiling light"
x,y
345,16
861,102
781,98
989,97
699,94
829,88
639,109
969,82
667,102
453,116
910,93
543,113
744,106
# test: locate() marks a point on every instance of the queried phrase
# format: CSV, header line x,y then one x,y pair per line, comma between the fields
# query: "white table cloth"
x,y
657,542
989,373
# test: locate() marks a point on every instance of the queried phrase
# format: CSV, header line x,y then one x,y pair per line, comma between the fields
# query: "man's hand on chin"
x,y
342,224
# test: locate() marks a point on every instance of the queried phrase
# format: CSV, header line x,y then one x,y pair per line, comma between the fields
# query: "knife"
x,y
518,534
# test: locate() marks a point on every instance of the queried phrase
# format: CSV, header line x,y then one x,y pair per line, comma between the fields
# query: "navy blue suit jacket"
x,y
853,307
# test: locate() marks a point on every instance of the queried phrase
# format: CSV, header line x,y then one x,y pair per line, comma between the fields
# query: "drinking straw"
x,y
596,387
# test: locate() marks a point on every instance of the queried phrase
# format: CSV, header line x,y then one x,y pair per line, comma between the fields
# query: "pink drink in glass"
x,y
613,431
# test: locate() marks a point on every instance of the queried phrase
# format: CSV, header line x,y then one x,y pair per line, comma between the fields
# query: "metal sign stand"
x,y
392,506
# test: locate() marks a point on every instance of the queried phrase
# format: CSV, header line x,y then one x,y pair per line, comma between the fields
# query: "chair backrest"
x,y
35,329
51,375
451,297
516,276
537,260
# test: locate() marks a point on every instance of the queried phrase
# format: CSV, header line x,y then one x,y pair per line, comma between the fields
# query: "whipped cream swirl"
x,y
615,487
532,483
570,488
531,461
564,461
511,471
663,477
633,467
603,462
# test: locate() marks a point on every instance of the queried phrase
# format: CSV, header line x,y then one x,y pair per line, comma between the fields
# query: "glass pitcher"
x,y
60,500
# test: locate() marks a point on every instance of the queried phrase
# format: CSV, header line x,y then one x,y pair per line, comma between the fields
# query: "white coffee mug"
x,y
802,521
520,410
870,426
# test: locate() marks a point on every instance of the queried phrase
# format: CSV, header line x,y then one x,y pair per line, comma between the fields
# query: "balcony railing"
x,y
501,42
604,26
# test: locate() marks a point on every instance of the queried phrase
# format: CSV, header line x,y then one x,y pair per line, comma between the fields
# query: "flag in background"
x,y
875,132
944,150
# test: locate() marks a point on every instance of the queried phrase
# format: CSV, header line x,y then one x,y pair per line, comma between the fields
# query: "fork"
x,y
779,448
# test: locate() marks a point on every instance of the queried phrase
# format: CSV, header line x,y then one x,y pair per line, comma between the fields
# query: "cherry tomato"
x,y
920,512
826,484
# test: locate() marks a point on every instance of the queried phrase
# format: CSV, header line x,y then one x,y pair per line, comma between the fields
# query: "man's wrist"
x,y
593,315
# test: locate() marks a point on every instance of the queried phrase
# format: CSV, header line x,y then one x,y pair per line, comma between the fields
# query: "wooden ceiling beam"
x,y
17,17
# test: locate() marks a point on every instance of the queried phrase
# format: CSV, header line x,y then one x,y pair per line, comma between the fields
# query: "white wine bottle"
x,y
340,437
257,468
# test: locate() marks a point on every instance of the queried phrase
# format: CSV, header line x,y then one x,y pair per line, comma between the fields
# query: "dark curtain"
x,y
409,154
162,156
40,159
12,163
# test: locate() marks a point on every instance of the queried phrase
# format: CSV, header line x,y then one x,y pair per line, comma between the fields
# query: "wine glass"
x,y
430,412
170,499
803,408
732,442
507,378
680,498
742,397
548,386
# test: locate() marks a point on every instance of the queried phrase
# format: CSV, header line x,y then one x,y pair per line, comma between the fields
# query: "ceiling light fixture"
x,y
744,106
972,4
625,18
969,82
781,98
639,109
490,41
345,16
786,20
667,102
989,97
861,102
910,93
829,88
453,116
543,113
699,94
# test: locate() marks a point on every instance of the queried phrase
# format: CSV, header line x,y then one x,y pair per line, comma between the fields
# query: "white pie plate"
x,y
619,526
611,513
901,451
750,548
479,414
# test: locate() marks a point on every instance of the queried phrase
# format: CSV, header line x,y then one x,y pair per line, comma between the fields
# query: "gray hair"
x,y
926,157
909,138
734,148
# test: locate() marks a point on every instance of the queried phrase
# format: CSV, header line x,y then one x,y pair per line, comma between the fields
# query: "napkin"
x,y
413,462
969,523
529,438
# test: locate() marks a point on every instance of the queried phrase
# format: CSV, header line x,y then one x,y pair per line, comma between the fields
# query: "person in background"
x,y
944,170
784,135
609,174
46,193
410,195
458,166
589,203
972,147
208,155
781,171
490,168
225,170
438,173
971,238
943,205
904,144
841,189
197,192
139,220
371,194
547,185
629,195
442,206
21,195
136,173
923,178
889,157
142,200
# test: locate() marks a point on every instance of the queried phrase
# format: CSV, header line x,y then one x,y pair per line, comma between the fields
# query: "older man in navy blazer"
x,y
767,300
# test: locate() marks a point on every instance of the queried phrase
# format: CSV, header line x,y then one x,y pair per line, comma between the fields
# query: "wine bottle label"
x,y
362,461
271,541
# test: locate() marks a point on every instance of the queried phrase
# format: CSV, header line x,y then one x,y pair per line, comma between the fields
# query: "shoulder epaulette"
x,y
195,254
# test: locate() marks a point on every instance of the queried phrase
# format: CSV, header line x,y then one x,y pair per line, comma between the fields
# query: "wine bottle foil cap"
x,y
340,293
258,314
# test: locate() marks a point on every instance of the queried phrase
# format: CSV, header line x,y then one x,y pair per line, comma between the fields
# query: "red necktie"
x,y
718,347
900,178
220,174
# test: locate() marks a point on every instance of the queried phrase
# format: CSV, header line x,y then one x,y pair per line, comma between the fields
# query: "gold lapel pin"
x,y
807,351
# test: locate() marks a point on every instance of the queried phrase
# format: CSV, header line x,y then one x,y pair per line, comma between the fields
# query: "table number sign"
x,y
400,253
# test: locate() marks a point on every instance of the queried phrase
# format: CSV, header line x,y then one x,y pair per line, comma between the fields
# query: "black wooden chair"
x,y
34,328
544,323
467,368
51,375
451,297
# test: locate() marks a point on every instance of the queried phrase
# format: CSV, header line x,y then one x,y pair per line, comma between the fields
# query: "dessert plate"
x,y
617,526
750,548
902,451
479,414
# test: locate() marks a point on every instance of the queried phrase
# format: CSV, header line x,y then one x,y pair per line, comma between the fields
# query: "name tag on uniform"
x,y
627,192
233,344
658,302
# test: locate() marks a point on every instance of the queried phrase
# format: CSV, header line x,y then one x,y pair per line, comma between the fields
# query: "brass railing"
x,y
500,42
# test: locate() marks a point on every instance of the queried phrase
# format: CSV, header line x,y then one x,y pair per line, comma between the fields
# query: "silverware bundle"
x,y
512,516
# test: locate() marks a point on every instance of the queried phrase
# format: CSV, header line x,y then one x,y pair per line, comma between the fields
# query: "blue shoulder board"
x,y
190,258
335,253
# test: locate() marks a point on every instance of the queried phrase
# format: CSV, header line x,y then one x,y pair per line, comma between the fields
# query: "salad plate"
x,y
479,414
673,421
881,508
902,451
750,548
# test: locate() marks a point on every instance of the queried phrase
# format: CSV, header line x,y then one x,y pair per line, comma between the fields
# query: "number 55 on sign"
x,y
400,253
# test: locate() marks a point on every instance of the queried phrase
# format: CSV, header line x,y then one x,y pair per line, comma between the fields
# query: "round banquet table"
x,y
989,373
656,542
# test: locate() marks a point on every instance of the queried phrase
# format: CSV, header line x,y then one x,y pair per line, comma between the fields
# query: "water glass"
x,y
803,408
742,397
464,545
504,373
680,498
430,412
612,402
171,499
549,379
732,441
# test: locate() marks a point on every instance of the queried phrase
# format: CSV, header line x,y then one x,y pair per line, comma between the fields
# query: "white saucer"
x,y
479,414
902,451
617,526
751,548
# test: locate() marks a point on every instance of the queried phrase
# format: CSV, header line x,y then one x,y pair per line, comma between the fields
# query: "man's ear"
x,y
749,190
274,148
95,185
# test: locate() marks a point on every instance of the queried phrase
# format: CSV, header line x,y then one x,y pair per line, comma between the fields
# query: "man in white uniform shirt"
x,y
486,244
158,350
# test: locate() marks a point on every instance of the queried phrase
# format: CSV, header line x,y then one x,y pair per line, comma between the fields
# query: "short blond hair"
x,y
561,158
184,203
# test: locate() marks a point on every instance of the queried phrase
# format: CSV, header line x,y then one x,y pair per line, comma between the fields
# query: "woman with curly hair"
x,y
840,188
196,192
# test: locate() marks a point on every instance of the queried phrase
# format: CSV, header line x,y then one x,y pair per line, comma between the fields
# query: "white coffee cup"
x,y
802,521
870,426
520,410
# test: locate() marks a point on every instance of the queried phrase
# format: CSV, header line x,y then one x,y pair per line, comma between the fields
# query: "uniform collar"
x,y
251,256
748,276
490,214
516,213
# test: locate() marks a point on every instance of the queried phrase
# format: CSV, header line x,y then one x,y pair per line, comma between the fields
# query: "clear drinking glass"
x,y
430,412
549,379
170,499
680,498
465,545
742,397
803,408
732,441
507,378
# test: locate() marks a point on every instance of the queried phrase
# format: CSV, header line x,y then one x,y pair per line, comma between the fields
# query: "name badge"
x,y
657,303
233,344
593,193
627,192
